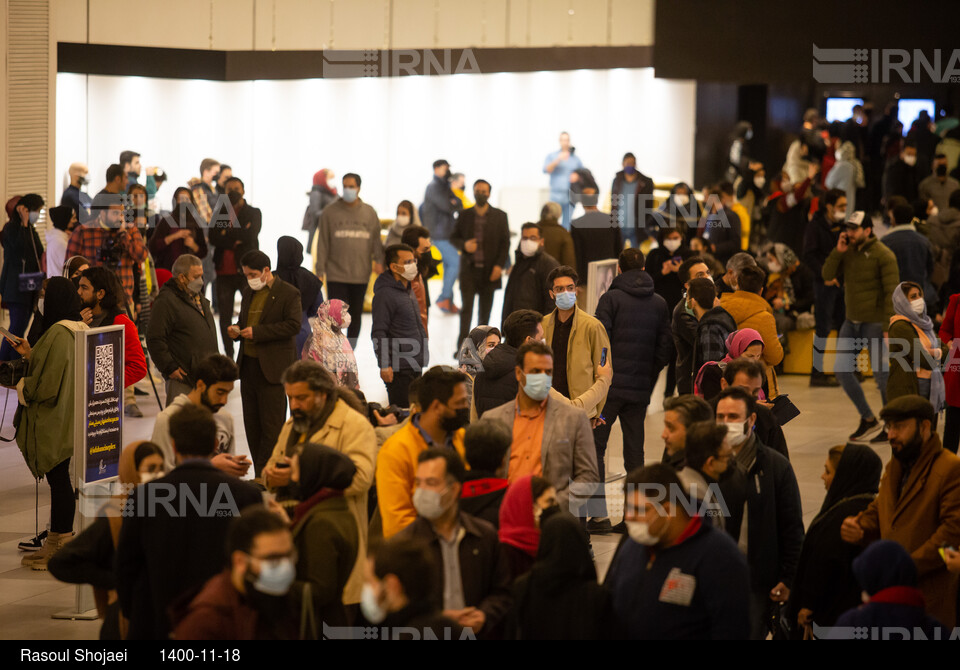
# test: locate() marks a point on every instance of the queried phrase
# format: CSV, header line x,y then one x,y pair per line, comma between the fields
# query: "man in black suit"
x,y
483,235
173,537
267,330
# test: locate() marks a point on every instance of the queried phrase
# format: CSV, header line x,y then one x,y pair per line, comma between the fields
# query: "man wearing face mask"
x,y
398,333
169,545
75,198
399,591
475,581
443,397
438,212
870,275
346,246
763,498
216,376
631,196
230,243
181,331
819,239
918,505
675,577
577,339
267,329
482,233
938,186
528,287
252,598
551,438
683,324
901,176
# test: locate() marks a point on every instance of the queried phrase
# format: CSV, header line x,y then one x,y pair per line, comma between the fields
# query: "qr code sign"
x,y
103,369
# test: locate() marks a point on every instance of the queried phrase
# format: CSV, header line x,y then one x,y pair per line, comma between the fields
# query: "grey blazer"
x,y
568,455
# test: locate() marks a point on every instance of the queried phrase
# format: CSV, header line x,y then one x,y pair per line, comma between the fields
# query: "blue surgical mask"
x,y
275,577
537,386
629,169
350,194
566,300
34,217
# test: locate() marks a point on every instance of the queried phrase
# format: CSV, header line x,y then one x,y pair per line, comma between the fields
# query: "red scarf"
x,y
517,526
479,487
899,595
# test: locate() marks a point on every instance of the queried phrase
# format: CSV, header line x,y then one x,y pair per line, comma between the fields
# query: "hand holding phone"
x,y
603,356
10,336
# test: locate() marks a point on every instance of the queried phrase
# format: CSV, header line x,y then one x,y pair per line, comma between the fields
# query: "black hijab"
x,y
323,468
289,262
858,473
563,557
60,301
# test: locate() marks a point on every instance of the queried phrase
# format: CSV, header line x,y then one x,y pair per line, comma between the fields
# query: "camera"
x,y
109,253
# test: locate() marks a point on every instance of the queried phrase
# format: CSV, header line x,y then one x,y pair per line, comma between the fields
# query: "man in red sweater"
x,y
103,301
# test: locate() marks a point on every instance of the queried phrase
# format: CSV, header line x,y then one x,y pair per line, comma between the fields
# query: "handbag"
x,y
31,281
11,372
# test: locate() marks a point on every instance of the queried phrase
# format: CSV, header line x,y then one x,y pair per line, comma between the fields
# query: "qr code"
x,y
103,369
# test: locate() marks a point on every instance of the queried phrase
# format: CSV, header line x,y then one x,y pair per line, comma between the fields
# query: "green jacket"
x,y
870,274
45,433
903,380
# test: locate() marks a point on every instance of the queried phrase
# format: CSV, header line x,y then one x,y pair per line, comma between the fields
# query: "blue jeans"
x,y
451,267
828,311
868,336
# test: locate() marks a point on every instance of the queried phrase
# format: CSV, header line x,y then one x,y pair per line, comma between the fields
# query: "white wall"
x,y
276,134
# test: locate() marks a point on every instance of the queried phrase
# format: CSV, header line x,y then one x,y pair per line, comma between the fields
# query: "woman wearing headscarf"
x,y
322,193
846,174
681,205
789,288
663,265
324,530
329,346
290,269
74,266
178,232
745,342
472,351
406,216
785,212
888,578
560,599
824,587
523,506
46,426
915,362
88,558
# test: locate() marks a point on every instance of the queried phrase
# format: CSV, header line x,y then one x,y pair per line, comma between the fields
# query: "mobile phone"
x,y
10,336
944,548
282,466
676,259
603,356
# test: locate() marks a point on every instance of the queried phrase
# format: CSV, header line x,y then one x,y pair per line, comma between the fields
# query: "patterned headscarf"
x,y
329,346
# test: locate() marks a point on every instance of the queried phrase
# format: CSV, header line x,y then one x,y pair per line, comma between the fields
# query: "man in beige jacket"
x,y
576,338
323,413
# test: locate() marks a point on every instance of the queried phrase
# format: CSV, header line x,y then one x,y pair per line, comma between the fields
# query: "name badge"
x,y
678,588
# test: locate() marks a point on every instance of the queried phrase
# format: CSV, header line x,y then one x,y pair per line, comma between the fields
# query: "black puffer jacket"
x,y
527,287
496,384
638,324
399,338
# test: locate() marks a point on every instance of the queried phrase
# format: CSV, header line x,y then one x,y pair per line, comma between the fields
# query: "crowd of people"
x,y
466,506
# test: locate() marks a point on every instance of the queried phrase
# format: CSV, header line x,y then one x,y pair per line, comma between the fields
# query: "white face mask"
x,y
910,160
639,532
671,245
150,476
410,271
918,306
403,220
759,181
682,200
529,248
839,215
256,284
736,433
774,266
429,504
837,155
371,609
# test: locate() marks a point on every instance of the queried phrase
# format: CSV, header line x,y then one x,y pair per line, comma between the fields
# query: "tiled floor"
x,y
28,599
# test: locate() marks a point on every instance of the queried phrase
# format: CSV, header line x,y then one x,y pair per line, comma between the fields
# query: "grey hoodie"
x,y
348,242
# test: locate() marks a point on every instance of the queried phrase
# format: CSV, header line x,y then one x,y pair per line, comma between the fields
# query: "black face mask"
x,y
941,170
481,198
457,421
235,197
909,452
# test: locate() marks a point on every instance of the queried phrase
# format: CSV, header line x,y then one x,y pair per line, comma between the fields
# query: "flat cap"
x,y
908,407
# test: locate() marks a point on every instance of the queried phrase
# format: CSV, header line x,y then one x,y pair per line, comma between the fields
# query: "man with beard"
x,y
216,376
101,297
323,413
251,598
919,502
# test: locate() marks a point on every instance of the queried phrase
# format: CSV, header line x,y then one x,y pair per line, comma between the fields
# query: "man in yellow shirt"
x,y
446,409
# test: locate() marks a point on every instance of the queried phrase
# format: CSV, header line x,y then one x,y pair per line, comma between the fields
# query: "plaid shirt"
x,y
201,194
87,241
